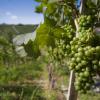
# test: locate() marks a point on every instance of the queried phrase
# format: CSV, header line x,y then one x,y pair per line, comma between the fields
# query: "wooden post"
x,y
82,7
72,93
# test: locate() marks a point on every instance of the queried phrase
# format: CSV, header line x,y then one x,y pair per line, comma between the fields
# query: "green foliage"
x,y
43,37
3,41
56,32
22,92
43,29
89,96
32,49
7,53
56,12
39,9
13,74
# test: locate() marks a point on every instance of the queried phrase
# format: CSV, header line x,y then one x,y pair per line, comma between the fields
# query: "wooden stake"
x,y
72,94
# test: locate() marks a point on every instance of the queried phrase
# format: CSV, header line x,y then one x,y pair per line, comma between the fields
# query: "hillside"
x,y
6,30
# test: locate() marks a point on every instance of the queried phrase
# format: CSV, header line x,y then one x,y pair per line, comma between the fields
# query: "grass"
x,y
28,71
17,82
89,96
21,93
14,87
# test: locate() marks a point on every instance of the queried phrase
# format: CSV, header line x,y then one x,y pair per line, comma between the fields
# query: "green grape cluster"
x,y
84,56
81,41
85,21
58,52
68,34
86,63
